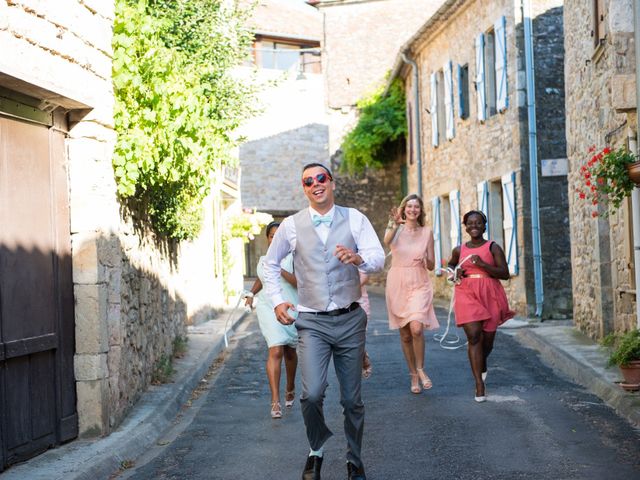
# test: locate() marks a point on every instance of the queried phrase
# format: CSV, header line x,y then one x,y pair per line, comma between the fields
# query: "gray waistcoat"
x,y
321,277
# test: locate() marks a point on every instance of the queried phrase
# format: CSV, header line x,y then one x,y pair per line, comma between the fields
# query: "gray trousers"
x,y
320,337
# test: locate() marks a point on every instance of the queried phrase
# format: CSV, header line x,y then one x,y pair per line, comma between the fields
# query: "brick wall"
x,y
601,248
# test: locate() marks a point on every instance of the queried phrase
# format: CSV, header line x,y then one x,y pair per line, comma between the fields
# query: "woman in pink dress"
x,y
409,292
480,301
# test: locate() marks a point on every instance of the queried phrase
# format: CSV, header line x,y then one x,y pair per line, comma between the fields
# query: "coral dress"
x,y
409,292
272,330
480,297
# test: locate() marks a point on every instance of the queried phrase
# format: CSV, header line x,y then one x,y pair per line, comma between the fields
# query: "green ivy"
x,y
381,129
176,105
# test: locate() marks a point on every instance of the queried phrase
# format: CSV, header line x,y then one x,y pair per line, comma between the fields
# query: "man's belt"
x,y
340,311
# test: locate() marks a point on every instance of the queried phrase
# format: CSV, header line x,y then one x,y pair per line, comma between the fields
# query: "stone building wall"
x,y
361,39
131,295
374,193
601,248
487,150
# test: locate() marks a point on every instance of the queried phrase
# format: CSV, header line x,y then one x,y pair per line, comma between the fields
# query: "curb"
x,y
580,360
152,414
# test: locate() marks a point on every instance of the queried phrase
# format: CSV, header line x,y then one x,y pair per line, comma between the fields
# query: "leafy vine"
x,y
381,128
176,105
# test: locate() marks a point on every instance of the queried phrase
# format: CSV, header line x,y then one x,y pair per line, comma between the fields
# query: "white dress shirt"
x,y
367,246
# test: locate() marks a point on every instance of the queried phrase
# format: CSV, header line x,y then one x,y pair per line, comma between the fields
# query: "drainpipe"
x,y
416,114
633,146
533,156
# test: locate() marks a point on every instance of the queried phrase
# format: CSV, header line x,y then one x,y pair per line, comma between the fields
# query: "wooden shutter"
x,y
456,230
483,203
502,101
437,244
480,92
448,100
509,224
434,109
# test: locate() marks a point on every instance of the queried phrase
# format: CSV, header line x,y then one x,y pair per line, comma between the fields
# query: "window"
x,y
495,214
279,56
598,32
463,91
490,203
490,72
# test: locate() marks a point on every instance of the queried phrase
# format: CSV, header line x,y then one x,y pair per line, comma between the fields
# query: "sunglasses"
x,y
320,178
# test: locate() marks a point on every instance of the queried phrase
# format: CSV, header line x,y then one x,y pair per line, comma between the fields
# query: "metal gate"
x,y
37,385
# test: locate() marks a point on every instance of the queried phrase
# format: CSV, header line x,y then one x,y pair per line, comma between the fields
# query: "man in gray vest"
x,y
329,244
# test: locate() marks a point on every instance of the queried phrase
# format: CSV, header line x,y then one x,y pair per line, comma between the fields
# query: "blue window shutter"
x,y
502,100
434,110
448,100
461,110
509,225
480,93
456,230
483,203
437,245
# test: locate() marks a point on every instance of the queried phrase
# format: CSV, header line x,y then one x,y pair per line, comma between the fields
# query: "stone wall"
x,y
601,248
374,193
361,40
487,150
131,294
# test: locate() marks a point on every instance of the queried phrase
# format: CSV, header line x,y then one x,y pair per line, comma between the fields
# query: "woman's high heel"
x,y
276,410
424,378
289,398
415,383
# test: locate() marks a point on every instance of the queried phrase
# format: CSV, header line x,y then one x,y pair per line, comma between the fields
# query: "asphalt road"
x,y
535,424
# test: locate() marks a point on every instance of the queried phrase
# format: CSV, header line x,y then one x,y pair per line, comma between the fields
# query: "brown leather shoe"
x,y
312,468
355,473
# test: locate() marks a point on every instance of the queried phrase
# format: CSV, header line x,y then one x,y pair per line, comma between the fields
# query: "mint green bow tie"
x,y
318,219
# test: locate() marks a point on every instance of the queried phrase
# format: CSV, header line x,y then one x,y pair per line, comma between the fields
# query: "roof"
x,y
448,9
287,19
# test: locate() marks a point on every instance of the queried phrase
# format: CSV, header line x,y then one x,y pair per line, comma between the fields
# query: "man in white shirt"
x,y
330,244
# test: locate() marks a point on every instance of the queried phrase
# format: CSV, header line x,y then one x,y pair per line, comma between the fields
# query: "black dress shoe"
x,y
312,468
355,473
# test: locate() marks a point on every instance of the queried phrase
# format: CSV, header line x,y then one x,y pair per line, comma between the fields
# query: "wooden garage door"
x,y
37,388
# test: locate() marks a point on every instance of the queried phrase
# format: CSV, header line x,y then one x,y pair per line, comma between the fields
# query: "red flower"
x,y
594,214
601,180
594,201
606,150
588,182
582,196
587,175
592,148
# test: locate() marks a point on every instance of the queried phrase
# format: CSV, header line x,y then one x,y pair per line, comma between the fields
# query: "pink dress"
x,y
409,292
480,297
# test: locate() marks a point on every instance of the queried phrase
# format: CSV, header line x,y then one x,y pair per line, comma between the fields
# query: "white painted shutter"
x,y
509,224
448,100
480,93
434,109
483,203
437,246
456,230
502,101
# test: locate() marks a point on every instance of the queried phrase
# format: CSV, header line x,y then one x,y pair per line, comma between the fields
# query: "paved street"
x,y
534,426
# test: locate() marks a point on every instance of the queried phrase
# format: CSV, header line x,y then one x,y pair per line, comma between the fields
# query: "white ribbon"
x,y
244,294
453,279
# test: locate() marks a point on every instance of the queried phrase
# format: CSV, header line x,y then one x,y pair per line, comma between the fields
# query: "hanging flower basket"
x,y
608,178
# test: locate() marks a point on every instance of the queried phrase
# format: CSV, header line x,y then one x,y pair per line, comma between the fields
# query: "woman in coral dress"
x,y
480,301
409,292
